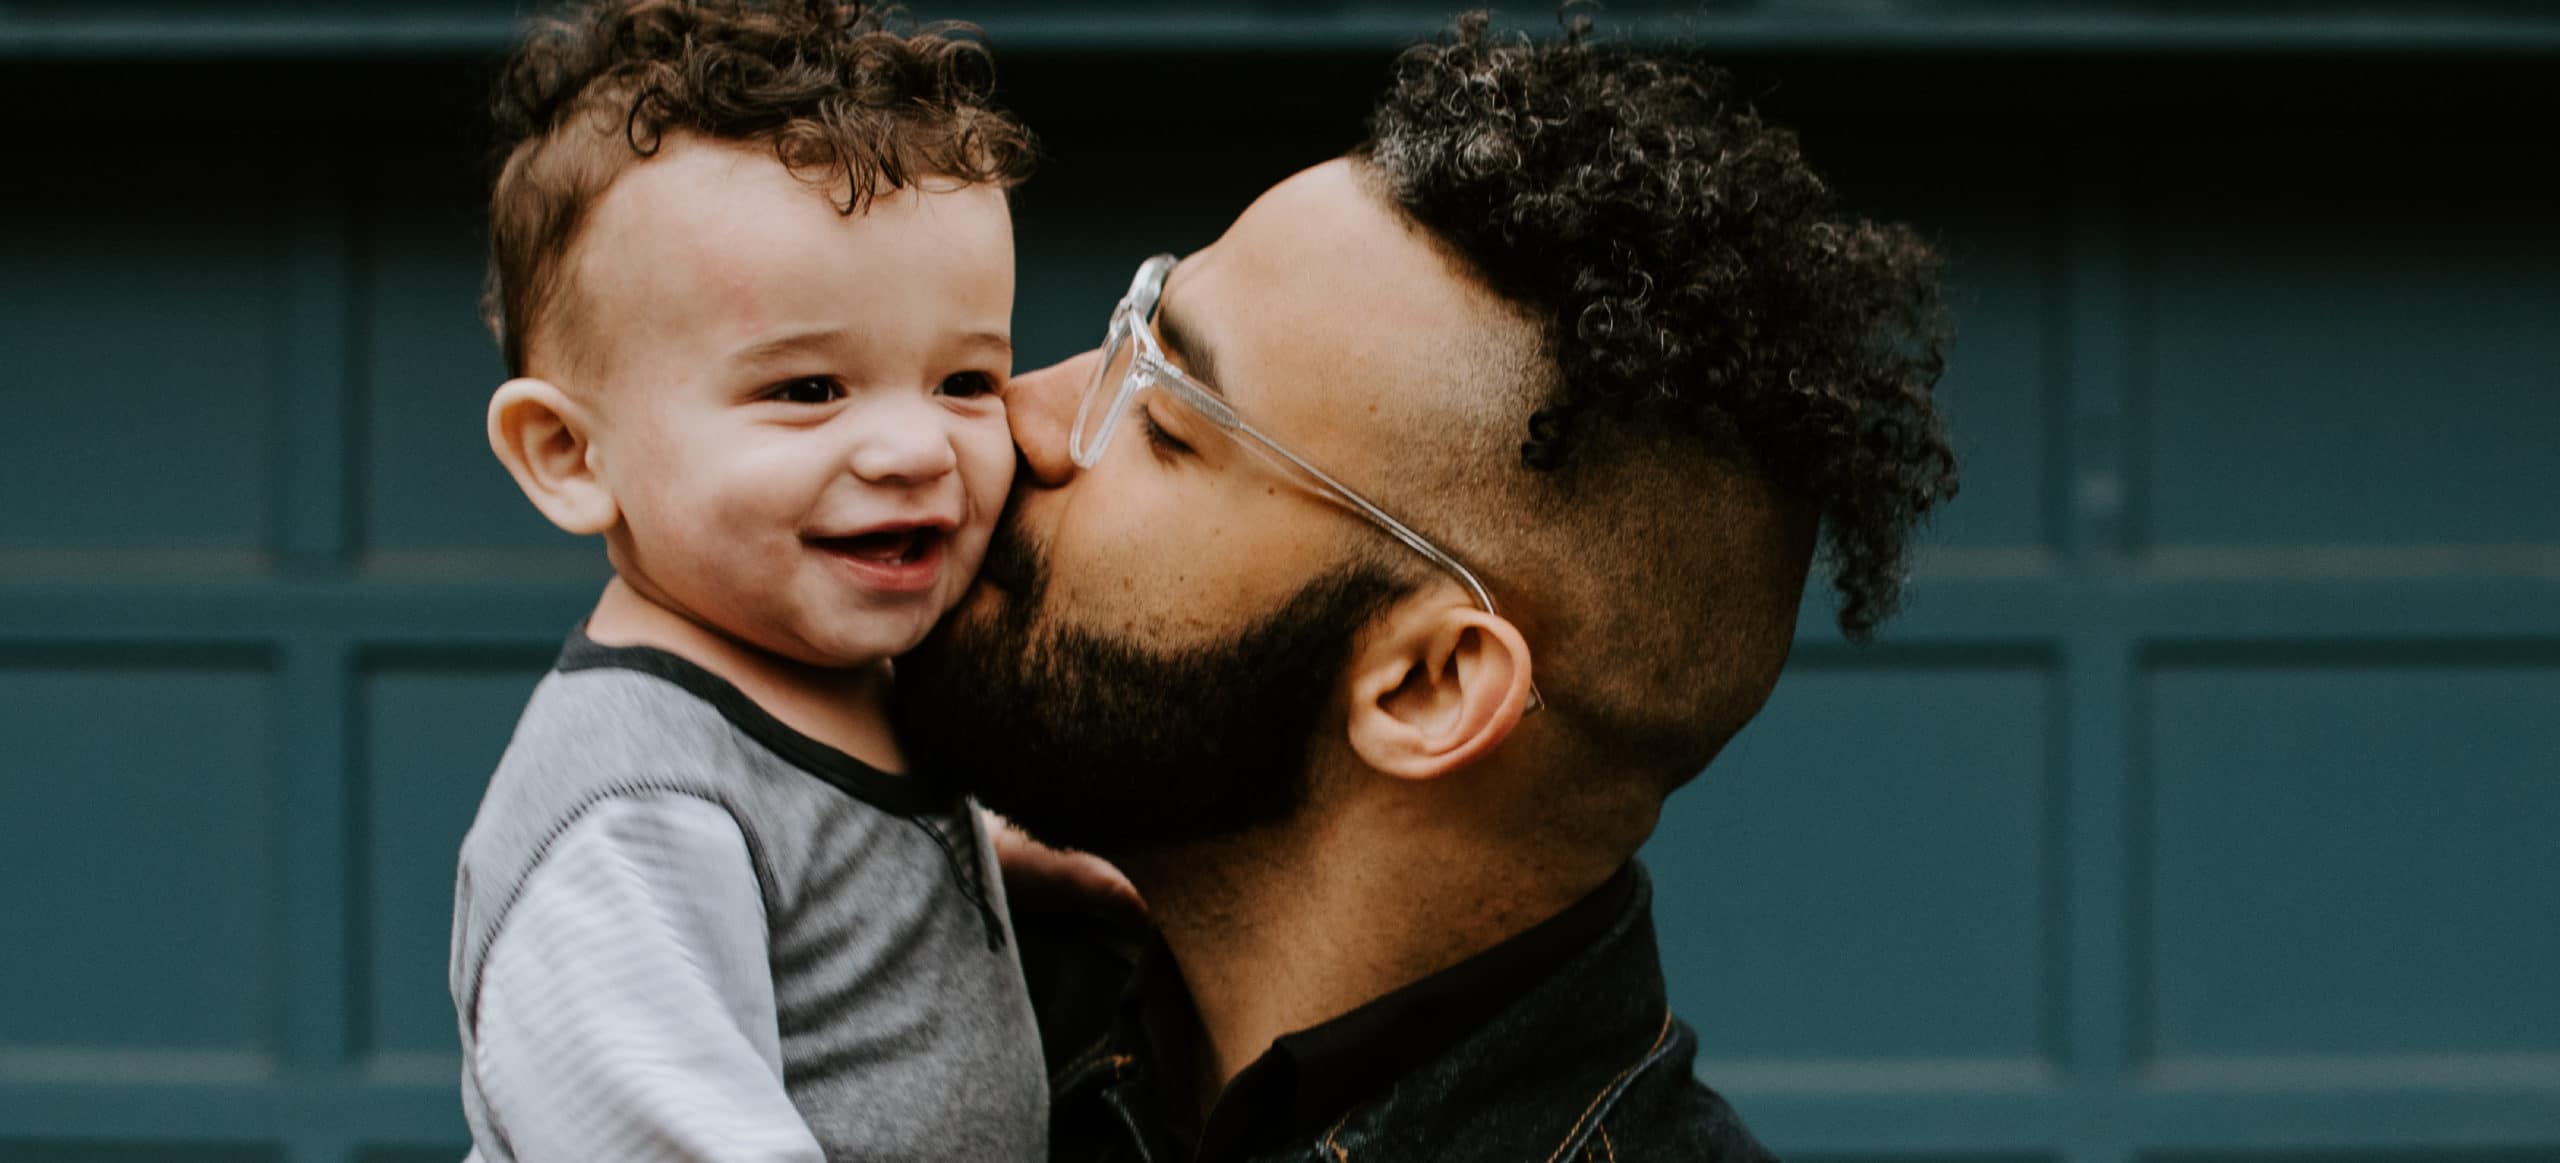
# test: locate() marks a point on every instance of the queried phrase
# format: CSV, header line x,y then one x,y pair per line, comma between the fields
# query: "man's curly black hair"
x,y
843,93
1690,271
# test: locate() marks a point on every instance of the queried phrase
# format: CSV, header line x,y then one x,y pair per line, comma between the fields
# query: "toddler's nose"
x,y
1042,409
907,449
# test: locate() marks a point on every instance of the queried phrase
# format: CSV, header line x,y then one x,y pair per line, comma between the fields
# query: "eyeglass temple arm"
x,y
1414,541
1376,516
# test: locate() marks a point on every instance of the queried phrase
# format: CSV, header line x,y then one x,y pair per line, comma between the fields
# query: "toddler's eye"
x,y
807,390
968,385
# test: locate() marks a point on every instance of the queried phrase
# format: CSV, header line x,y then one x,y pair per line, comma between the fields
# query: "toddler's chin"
x,y
882,640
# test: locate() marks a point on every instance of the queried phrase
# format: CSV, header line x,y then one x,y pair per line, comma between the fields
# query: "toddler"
x,y
752,269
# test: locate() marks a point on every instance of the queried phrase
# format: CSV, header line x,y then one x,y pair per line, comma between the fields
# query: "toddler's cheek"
x,y
961,568
987,463
741,515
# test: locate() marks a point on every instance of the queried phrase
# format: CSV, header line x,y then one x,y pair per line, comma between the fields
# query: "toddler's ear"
x,y
543,437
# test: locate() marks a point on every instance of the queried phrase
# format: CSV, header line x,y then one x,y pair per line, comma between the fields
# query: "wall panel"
x,y
1999,233
144,328
138,837
2352,855
1849,899
433,725
2349,353
433,499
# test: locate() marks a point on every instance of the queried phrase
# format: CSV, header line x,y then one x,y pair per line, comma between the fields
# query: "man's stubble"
x,y
1092,742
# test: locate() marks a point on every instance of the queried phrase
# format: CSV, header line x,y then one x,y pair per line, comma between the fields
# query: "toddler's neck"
x,y
844,708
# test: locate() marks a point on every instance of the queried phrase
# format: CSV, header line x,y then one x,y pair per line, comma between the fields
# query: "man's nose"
x,y
1042,410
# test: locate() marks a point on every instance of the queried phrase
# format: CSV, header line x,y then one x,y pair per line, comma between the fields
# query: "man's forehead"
x,y
1321,283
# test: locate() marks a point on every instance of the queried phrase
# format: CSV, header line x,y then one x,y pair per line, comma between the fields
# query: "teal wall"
x,y
2201,809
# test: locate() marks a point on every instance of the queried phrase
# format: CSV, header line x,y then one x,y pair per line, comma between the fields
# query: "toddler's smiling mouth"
x,y
900,558
899,546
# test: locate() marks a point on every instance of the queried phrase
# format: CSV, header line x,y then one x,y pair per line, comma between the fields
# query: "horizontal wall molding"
x,y
1914,26
288,1108
2530,1074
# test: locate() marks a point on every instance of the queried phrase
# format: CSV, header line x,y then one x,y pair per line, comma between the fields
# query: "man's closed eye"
x,y
1165,444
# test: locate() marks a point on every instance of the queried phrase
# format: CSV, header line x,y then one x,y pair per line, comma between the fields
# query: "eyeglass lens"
x,y
1106,396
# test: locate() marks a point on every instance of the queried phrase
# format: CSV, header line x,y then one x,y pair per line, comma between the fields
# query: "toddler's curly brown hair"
x,y
851,98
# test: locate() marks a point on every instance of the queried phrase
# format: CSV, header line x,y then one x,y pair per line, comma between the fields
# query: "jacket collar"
x,y
1544,1024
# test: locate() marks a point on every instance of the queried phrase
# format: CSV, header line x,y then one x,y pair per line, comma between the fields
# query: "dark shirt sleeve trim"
x,y
895,794
939,811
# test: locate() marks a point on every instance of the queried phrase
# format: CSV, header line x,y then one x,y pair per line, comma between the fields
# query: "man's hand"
x,y
1040,878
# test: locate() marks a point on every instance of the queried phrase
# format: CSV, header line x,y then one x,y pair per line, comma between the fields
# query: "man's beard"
x,y
1097,743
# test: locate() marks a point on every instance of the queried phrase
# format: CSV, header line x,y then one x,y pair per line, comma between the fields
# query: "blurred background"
x,y
2204,806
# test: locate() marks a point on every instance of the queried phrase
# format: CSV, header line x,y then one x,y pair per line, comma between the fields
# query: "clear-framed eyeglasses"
x,y
1133,362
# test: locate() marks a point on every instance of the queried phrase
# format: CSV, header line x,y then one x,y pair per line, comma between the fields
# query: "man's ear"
x,y
1436,689
544,439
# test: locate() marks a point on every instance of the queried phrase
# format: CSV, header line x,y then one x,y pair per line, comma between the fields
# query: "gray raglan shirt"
x,y
684,931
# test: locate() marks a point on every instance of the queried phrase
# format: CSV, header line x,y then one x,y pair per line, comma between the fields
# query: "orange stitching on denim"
x,y
1612,1084
1604,1141
1092,1058
1088,1058
1340,1155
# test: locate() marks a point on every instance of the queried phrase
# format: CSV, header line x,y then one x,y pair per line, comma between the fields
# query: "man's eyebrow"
x,y
1186,348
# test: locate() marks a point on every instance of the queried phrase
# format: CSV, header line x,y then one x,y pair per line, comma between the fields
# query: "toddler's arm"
x,y
626,1010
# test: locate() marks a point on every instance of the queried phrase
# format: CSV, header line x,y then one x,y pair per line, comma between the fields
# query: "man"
x,y
1368,590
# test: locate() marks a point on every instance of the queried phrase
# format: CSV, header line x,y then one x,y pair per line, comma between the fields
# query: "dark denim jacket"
x,y
1586,1064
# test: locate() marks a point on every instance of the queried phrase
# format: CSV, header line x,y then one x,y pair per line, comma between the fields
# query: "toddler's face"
x,y
799,413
